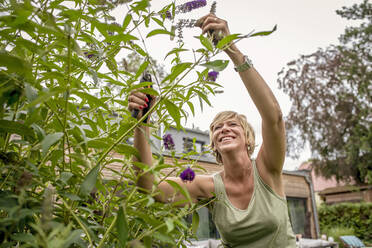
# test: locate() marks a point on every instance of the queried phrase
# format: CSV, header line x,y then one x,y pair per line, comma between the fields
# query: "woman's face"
x,y
228,135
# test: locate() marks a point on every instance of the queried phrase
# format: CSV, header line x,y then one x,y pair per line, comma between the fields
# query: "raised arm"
x,y
272,151
166,193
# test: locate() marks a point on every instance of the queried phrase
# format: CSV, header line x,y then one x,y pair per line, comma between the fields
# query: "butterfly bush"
x,y
67,171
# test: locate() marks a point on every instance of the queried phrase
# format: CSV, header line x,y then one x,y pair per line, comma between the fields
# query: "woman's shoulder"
x,y
206,184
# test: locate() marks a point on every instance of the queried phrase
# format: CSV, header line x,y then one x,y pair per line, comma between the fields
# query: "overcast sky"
x,y
302,28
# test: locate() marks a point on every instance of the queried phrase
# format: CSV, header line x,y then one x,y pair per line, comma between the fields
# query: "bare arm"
x,y
272,151
146,181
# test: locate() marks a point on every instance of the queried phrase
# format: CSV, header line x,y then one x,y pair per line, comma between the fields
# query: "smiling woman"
x,y
250,209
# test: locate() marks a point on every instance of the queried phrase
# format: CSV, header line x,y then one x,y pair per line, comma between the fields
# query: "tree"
x,y
330,91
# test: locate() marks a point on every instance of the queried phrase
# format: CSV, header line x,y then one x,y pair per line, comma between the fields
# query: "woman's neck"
x,y
237,167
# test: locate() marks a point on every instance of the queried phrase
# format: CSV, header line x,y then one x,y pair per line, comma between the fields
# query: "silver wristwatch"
x,y
245,66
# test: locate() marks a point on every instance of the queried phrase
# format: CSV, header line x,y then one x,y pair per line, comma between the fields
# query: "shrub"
x,y
347,216
63,114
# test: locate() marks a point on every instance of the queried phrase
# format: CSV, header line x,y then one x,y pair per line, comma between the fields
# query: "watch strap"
x,y
245,66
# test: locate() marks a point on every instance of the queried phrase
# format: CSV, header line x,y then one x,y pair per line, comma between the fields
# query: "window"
x,y
206,228
188,145
297,214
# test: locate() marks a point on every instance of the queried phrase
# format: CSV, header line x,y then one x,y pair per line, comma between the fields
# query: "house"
x,y
330,191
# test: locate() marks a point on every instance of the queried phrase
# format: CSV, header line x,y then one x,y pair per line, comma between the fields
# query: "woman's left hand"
x,y
213,25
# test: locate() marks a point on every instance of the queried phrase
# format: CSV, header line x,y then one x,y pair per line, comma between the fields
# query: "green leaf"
x,y
73,237
31,92
24,237
177,188
263,33
65,176
92,100
159,31
195,221
140,5
127,20
159,22
15,127
139,49
141,69
44,96
149,91
173,111
89,181
50,140
176,50
163,237
170,224
191,106
177,70
126,150
122,227
203,96
206,43
216,65
226,40
15,64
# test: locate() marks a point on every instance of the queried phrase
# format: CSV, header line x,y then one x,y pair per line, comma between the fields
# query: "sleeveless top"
x,y
265,222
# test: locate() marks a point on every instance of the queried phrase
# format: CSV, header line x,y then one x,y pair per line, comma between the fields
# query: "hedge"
x,y
350,215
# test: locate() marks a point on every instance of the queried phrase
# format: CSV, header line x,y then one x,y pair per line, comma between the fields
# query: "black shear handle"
x,y
146,77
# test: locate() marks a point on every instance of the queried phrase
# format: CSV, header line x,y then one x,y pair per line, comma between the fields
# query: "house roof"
x,y
343,189
321,183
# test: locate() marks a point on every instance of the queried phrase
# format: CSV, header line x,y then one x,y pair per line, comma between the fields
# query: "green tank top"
x,y
265,222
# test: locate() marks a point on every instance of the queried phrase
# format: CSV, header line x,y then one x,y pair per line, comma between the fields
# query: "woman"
x,y
251,209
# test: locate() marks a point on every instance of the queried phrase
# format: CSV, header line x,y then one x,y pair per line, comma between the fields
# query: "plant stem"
x,y
107,232
8,134
66,102
112,196
79,221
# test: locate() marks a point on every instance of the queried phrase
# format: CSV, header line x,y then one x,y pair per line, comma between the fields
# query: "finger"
x,y
213,26
199,23
140,95
133,105
137,101
210,19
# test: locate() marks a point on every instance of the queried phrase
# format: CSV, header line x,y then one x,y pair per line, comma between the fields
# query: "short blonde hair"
x,y
247,128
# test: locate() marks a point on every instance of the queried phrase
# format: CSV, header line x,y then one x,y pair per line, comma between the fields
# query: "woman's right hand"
x,y
138,101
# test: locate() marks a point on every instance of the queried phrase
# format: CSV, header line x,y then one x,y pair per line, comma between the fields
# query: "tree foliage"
x,y
331,98
64,121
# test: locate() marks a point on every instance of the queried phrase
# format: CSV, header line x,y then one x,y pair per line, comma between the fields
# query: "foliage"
x,y
356,216
331,94
64,121
337,231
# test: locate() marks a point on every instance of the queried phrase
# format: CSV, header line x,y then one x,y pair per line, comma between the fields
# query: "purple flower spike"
x,y
189,6
89,55
187,175
168,142
212,75
168,15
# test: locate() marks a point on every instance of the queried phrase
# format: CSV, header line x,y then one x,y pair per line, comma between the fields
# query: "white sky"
x,y
303,27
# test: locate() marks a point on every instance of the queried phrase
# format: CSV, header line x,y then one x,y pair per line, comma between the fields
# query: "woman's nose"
x,y
225,128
